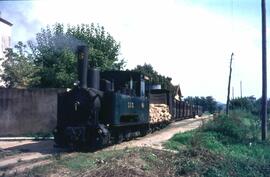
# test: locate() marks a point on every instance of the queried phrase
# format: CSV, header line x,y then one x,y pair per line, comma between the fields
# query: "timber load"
x,y
159,113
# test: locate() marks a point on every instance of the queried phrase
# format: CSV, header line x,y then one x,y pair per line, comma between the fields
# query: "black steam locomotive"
x,y
107,107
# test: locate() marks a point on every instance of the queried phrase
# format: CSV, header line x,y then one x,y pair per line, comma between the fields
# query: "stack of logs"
x,y
159,113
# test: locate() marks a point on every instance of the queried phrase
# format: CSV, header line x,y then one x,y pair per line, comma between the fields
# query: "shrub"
x,y
239,125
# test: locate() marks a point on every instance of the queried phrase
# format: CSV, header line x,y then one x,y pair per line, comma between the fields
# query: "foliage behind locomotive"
x,y
100,110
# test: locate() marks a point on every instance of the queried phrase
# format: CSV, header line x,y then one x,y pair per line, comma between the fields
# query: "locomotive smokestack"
x,y
82,65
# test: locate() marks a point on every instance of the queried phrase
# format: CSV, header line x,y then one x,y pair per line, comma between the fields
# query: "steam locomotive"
x,y
108,107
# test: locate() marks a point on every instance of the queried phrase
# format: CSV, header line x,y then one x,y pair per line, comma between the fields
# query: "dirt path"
x,y
17,156
156,139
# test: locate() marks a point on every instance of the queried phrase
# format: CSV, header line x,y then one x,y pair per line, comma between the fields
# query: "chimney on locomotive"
x,y
82,65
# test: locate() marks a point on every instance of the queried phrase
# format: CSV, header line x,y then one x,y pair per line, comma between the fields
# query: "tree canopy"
x,y
250,104
245,103
53,55
19,69
155,77
208,103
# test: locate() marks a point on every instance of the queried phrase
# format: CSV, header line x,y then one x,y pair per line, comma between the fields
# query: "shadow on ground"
x,y
43,147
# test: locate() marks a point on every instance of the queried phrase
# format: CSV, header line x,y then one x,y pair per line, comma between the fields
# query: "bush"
x,y
224,146
239,125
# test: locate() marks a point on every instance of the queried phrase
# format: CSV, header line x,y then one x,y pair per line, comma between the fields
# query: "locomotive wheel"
x,y
127,135
119,138
59,140
143,132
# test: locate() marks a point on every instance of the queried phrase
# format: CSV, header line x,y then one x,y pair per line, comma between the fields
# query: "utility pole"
x,y
229,87
232,92
241,88
264,74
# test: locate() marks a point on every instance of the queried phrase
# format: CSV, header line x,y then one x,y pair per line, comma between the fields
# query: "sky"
x,y
190,41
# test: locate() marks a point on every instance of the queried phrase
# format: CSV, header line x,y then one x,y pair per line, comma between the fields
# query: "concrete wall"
x,y
24,111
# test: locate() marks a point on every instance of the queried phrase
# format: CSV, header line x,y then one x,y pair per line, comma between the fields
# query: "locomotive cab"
x,y
125,108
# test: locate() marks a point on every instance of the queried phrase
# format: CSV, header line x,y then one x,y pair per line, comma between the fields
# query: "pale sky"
x,y
188,40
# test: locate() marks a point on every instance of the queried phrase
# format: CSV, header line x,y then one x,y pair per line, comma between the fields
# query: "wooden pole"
x,y
229,87
264,74
232,92
241,88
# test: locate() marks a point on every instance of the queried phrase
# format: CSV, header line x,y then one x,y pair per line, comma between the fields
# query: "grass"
x,y
135,162
226,146
87,160
74,164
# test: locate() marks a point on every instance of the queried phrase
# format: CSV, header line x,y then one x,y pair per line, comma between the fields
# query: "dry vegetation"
x,y
143,162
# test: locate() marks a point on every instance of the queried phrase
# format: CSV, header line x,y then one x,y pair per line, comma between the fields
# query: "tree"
x,y
244,103
208,103
211,104
155,78
194,100
250,104
55,52
19,68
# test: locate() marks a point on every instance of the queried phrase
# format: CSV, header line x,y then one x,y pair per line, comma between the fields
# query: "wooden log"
x,y
159,113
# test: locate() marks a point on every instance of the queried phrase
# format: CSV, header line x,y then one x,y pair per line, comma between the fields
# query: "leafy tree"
x,y
195,100
250,104
155,78
208,103
211,104
244,103
19,68
55,52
